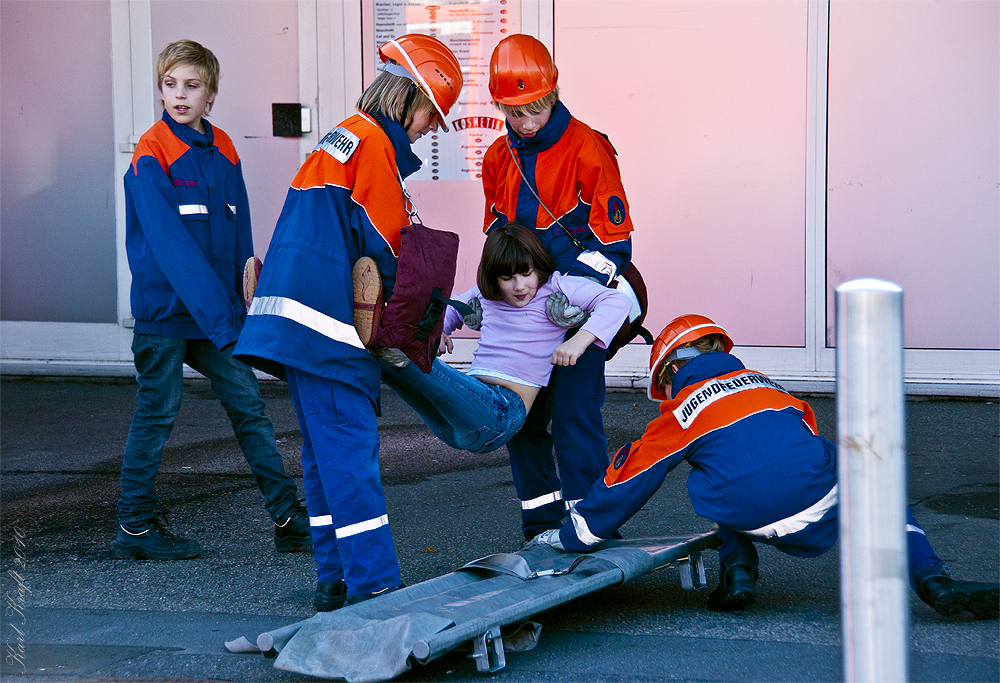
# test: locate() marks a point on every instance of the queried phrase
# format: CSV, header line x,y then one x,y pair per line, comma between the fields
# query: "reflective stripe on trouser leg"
x,y
533,469
540,501
343,434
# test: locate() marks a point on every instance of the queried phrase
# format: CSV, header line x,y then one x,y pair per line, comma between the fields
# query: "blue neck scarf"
x,y
407,162
547,136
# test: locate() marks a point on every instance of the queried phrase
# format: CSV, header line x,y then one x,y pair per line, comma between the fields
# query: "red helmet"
x,y
521,71
679,331
434,68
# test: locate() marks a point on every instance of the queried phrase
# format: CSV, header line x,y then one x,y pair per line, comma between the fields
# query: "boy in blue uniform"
x,y
758,468
187,230
554,174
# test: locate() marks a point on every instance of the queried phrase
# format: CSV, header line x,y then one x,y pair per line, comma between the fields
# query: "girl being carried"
x,y
480,411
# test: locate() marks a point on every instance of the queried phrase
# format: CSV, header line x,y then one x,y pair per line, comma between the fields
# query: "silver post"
x,y
871,453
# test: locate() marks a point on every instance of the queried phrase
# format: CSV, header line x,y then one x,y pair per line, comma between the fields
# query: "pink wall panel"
x,y
706,103
914,152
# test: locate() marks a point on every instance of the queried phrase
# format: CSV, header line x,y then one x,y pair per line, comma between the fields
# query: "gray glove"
x,y
393,357
474,320
562,313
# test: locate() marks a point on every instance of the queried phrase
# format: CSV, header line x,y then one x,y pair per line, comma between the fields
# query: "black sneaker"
x,y
330,595
150,540
293,532
355,599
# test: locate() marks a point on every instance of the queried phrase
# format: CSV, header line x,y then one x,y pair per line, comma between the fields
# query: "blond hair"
x,y
531,108
388,94
189,53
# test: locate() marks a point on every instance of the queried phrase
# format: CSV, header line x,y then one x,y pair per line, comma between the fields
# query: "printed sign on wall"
x,y
471,30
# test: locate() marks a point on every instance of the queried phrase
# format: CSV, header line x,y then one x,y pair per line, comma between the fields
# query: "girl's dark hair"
x,y
511,249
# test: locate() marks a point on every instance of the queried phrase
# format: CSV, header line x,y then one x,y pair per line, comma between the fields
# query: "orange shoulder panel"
x,y
161,144
666,435
225,145
370,176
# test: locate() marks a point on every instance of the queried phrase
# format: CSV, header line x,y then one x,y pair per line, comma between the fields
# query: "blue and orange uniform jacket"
x,y
345,202
187,233
754,453
575,172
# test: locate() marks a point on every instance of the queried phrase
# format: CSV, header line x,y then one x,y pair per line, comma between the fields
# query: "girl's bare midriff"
x,y
526,393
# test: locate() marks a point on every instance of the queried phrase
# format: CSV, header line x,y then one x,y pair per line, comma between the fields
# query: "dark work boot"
x,y
330,595
949,597
292,532
737,587
355,599
150,540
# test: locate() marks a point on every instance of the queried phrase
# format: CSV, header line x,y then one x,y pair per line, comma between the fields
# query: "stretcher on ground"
x,y
378,639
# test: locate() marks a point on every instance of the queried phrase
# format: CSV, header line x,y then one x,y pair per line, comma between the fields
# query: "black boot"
x,y
737,587
949,597
330,595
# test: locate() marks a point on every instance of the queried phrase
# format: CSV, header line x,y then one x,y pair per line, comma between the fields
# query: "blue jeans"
x,y
458,409
159,362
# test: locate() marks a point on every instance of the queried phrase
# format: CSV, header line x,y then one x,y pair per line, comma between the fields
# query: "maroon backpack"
x,y
412,320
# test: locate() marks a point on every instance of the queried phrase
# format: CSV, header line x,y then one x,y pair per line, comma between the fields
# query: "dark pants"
x,y
819,537
347,511
572,402
159,362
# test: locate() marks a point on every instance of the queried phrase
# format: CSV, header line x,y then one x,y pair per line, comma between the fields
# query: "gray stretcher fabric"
x,y
379,639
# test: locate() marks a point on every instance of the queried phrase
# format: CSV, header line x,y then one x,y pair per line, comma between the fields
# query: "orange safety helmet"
x,y
679,331
521,71
433,67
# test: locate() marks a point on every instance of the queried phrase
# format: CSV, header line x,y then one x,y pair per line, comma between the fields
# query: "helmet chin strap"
x,y
683,353
399,70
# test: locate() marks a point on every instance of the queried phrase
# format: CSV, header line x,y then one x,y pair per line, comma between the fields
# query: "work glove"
x,y
474,320
560,312
393,357
550,538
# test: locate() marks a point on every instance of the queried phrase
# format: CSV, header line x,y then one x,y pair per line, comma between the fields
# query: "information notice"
x,y
471,29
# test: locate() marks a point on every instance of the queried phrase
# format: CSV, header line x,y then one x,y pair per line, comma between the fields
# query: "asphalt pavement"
x,y
72,612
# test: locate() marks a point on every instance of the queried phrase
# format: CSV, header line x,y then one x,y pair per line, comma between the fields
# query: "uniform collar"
x,y
547,136
703,367
407,162
189,135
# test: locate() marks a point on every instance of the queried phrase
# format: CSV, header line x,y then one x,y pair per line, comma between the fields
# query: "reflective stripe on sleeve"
x,y
582,529
307,317
541,500
192,209
324,520
368,525
915,530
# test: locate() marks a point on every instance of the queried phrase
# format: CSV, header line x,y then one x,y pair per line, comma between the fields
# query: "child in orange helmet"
x,y
758,468
556,175
347,203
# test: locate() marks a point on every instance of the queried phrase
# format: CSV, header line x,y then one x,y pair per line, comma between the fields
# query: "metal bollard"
x,y
871,455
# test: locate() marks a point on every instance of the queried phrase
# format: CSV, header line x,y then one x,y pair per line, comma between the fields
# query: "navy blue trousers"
x,y
340,470
572,403
817,538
